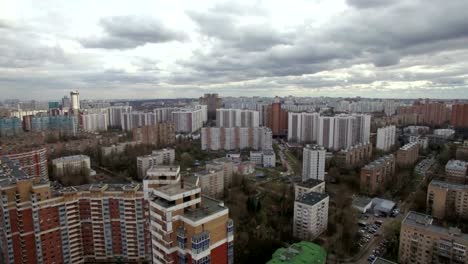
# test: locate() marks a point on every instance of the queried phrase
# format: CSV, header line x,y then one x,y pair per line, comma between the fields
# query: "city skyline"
x,y
150,49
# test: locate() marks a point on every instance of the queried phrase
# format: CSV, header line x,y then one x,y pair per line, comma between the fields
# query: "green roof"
x,y
302,252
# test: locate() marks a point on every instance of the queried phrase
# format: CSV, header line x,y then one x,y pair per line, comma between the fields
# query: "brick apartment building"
x,y
432,113
159,135
277,119
459,116
446,198
33,162
422,241
354,156
44,223
376,175
407,155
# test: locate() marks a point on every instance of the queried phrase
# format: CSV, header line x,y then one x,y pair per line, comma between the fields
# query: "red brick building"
x,y
432,113
33,162
277,119
459,117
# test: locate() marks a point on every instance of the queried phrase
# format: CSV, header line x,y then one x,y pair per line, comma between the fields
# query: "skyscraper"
x,y
313,163
326,131
385,138
75,100
213,102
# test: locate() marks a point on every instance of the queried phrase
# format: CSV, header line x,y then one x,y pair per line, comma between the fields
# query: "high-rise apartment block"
x,y
376,175
277,119
456,171
158,135
422,241
71,165
386,138
116,113
220,138
447,199
160,176
10,127
326,131
33,162
95,121
432,113
313,163
408,155
189,120
42,223
311,185
213,102
236,118
165,156
303,127
75,100
310,215
187,227
459,117
354,156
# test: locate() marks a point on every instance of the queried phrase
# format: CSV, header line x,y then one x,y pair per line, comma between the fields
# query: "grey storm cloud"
x,y
127,32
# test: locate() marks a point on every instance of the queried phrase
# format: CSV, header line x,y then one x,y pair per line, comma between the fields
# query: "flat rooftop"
x,y
209,206
379,161
423,221
309,183
300,253
362,201
314,147
457,164
409,145
71,158
448,185
312,198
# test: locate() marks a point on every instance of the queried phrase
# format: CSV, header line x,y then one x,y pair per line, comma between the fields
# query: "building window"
x,y
201,242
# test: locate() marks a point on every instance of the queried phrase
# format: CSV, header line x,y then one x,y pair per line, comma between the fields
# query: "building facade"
x,y
33,163
385,138
310,215
408,155
376,175
354,156
220,138
422,241
313,163
95,121
447,199
459,116
213,102
455,171
237,118
158,135
165,156
211,182
71,165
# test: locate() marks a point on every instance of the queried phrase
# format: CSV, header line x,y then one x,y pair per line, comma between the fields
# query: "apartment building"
x,y
311,185
237,118
313,163
459,116
160,176
158,135
165,156
187,227
219,138
33,162
310,215
432,113
10,127
45,223
408,155
71,165
447,198
455,171
422,141
376,175
228,166
211,182
93,121
116,113
422,241
116,149
212,102
326,131
386,138
277,118
303,127
354,156
189,120
265,158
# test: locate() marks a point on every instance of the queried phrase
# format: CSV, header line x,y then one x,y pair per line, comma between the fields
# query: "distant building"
x,y
189,120
445,133
385,138
10,127
265,158
376,175
310,215
407,155
158,135
313,163
214,138
164,156
115,149
225,164
300,253
303,127
116,113
211,182
236,118
416,130
75,100
71,165
326,132
95,121
354,156
213,102
433,113
447,198
422,141
277,118
455,171
422,241
459,117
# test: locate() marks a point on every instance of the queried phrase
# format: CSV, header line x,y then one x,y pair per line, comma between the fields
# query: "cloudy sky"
x,y
155,49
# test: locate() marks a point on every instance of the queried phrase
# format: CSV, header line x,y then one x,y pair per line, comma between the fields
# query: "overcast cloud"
x,y
154,49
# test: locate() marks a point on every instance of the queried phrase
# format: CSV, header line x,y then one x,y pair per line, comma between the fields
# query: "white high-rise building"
x,y
75,100
303,127
115,115
95,121
345,125
220,138
310,215
237,118
385,138
326,131
361,129
295,127
190,120
313,163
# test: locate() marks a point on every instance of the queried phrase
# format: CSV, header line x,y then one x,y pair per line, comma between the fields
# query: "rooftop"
x,y
378,162
209,206
409,146
309,183
457,165
362,201
268,152
71,158
302,252
423,221
314,147
448,185
311,198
